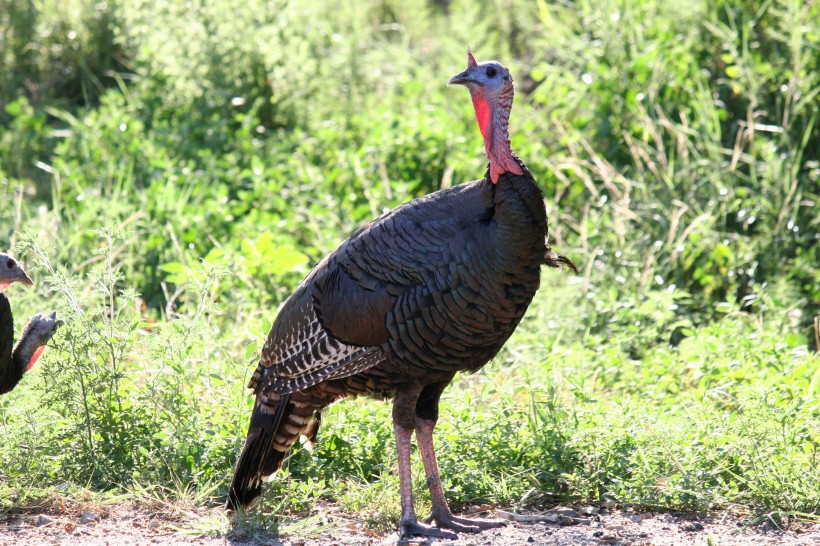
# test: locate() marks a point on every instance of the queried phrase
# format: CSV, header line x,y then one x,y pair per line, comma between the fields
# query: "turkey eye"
x,y
491,72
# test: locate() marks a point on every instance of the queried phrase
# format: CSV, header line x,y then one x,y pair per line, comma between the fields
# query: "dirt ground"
x,y
126,525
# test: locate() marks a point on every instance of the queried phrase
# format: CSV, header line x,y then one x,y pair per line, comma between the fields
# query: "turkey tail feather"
x,y
259,454
276,424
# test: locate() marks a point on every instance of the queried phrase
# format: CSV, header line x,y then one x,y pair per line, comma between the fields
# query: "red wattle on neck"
x,y
37,352
492,120
483,114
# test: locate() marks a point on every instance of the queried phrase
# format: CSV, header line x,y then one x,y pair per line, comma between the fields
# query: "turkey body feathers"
x,y
7,364
451,267
433,287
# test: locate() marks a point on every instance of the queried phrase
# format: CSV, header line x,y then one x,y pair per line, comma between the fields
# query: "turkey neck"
x,y
493,116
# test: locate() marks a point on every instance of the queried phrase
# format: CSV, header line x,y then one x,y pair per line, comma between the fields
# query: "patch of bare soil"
x,y
130,525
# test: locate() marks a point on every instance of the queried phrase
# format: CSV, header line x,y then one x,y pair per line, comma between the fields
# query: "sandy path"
x,y
125,525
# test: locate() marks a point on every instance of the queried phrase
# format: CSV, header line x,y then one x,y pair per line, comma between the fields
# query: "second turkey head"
x,y
35,335
11,271
491,88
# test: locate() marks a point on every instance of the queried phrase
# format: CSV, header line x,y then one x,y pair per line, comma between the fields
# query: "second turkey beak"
x,y
25,279
462,78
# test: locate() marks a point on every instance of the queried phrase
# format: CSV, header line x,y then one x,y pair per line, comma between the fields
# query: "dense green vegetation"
x,y
170,170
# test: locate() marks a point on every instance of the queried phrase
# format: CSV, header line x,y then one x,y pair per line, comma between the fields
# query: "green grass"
x,y
171,172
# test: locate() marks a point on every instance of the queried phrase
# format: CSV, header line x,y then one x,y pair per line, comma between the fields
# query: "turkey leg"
x,y
441,512
403,424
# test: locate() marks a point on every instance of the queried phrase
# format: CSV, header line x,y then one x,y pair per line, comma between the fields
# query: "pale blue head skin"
x,y
11,271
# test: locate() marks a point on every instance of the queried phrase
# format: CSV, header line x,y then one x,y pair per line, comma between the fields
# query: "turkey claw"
x,y
464,525
414,528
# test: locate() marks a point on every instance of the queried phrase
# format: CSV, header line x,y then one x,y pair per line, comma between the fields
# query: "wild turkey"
x,y
432,287
15,362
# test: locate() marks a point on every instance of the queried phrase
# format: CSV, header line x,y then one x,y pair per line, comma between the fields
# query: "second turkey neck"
x,y
493,118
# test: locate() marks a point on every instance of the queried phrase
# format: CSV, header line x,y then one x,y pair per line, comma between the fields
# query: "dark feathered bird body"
x,y
433,287
10,371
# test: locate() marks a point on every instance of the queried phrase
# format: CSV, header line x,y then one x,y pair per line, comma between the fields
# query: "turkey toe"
x,y
464,525
416,529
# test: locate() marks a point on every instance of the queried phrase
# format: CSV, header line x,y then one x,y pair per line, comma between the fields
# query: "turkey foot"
x,y
441,512
414,528
446,520
408,524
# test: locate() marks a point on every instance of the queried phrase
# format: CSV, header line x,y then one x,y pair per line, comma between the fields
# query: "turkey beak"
x,y
25,279
462,78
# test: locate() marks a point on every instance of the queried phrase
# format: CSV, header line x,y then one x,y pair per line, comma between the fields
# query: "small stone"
x,y
565,511
89,519
566,520
43,520
588,511
240,535
691,526
153,524
636,518
608,503
530,539
610,539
